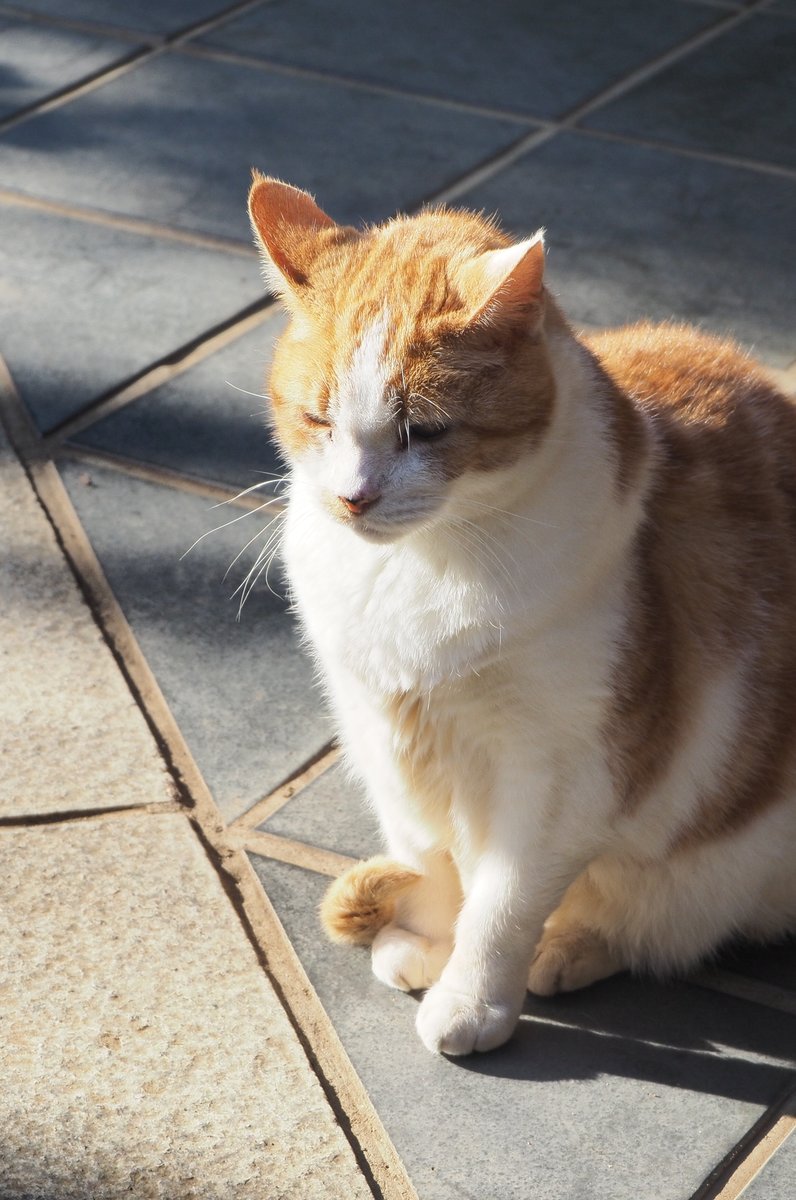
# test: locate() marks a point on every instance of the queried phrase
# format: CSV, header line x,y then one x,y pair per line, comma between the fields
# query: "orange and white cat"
x,y
551,586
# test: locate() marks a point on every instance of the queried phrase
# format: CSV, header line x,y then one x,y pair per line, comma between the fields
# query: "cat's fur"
x,y
559,637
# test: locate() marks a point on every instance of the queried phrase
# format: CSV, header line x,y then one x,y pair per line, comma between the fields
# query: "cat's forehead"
x,y
365,372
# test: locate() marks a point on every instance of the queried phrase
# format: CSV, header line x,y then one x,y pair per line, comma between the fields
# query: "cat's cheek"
x,y
453,1023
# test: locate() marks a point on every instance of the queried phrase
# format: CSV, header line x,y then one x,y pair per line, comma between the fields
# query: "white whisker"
x,y
254,487
245,392
249,513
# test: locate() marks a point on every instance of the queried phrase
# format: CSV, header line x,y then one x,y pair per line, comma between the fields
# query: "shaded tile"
x,y
208,422
734,96
144,1051
241,691
129,14
175,141
332,813
776,1180
71,735
598,1093
37,61
635,233
84,306
535,59
775,964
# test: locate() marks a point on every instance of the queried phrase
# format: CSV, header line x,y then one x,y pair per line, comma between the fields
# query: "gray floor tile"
x,y
175,140
532,58
638,233
774,964
200,423
333,813
734,96
624,1090
129,14
777,1179
37,61
241,691
84,307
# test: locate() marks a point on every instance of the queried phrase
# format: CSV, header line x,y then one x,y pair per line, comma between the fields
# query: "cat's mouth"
x,y
382,532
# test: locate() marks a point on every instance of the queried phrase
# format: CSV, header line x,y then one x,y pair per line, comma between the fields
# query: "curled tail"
x,y
362,900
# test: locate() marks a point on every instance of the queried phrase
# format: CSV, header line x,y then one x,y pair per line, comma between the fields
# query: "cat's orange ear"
x,y
505,285
287,223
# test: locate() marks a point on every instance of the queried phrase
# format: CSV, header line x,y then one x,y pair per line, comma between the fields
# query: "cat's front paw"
x,y
454,1023
406,960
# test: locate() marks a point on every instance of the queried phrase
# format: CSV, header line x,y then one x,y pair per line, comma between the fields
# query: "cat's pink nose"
x,y
358,503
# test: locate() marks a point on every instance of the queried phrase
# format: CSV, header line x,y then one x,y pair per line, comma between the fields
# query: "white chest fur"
x,y
399,619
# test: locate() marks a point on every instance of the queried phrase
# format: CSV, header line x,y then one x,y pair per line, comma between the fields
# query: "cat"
x,y
550,583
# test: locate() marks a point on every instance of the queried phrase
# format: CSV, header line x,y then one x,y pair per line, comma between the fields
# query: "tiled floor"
x,y
655,143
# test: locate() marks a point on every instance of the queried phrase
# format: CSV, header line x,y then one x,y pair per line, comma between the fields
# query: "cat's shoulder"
x,y
690,376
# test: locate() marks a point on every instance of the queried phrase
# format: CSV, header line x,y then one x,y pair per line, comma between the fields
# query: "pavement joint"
x,y
125,64
304,775
292,70
219,493
490,167
128,224
747,1158
66,816
175,363
297,854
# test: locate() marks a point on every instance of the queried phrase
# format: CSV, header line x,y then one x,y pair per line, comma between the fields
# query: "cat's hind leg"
x,y
572,952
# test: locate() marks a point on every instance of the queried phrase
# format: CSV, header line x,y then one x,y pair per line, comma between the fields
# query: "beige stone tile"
x,y
144,1052
71,736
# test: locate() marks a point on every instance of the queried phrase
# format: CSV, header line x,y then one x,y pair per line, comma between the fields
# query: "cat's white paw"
x,y
406,960
454,1023
570,960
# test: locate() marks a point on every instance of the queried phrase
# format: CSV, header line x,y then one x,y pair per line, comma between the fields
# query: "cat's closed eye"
x,y
317,421
421,433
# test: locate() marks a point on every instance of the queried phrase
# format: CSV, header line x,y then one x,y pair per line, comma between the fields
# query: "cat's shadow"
x,y
675,1035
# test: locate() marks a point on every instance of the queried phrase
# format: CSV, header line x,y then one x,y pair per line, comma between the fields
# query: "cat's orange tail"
x,y
362,900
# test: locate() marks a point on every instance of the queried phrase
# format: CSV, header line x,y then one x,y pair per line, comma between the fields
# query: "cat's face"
x,y
414,364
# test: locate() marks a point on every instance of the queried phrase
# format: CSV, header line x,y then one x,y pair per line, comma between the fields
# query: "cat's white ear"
x,y
286,223
505,285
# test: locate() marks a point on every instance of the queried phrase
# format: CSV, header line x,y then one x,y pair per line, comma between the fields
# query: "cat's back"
x,y
697,384
723,428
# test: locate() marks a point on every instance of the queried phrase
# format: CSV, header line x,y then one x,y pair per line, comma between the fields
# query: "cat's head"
x,y
414,365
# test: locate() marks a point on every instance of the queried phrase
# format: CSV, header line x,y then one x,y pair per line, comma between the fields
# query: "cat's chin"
x,y
383,534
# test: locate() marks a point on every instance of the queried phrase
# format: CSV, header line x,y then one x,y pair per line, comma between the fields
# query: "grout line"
x,y
140,226
656,65
725,160
748,1157
320,762
88,83
318,75
490,167
344,1089
730,983
123,66
753,1164
220,493
297,854
156,807
154,376
373,1150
